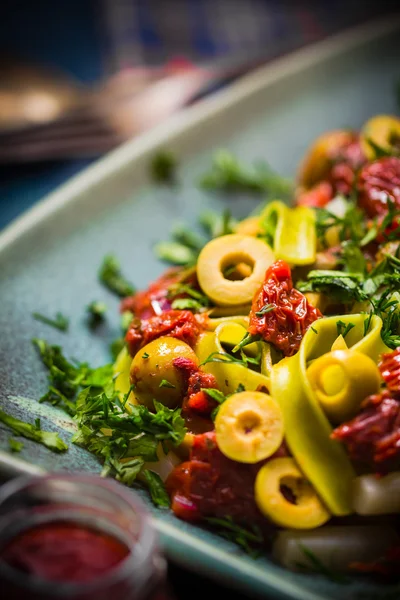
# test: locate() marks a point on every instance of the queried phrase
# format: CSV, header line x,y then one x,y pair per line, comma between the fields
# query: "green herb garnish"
x,y
343,329
228,174
175,253
164,383
163,167
156,488
15,445
50,439
96,311
60,322
317,566
249,338
250,540
112,278
265,309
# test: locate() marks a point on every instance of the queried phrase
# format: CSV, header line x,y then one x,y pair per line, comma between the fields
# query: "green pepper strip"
x,y
307,429
295,238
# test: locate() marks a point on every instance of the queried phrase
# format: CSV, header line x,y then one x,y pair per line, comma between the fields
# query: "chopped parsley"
x,y
217,224
343,329
156,488
96,311
112,278
59,322
249,539
163,167
175,253
145,355
15,445
50,439
228,174
265,309
249,338
315,565
188,238
126,320
164,383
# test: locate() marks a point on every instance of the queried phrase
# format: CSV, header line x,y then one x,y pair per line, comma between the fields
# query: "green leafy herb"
x,y
380,151
218,397
250,540
37,423
163,167
15,445
350,225
186,304
222,357
344,287
214,394
188,238
126,320
116,346
265,309
166,384
60,322
387,307
145,355
197,301
50,439
249,338
67,378
157,489
352,258
317,566
96,311
175,253
313,329
228,174
343,329
112,278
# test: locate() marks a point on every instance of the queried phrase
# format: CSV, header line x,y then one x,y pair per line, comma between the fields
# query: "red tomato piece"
x,y
291,314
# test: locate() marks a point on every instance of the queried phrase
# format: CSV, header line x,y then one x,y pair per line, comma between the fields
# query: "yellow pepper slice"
x,y
307,513
121,370
341,380
295,238
229,375
227,251
323,460
249,427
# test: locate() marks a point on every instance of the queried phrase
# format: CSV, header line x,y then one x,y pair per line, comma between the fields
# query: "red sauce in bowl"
x,y
64,552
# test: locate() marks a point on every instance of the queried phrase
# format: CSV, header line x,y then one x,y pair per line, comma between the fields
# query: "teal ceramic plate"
x,y
50,257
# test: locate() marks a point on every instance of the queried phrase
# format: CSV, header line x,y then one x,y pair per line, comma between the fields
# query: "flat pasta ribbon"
x,y
229,374
295,238
307,429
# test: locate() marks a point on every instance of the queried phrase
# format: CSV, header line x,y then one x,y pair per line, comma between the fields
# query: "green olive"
x,y
154,375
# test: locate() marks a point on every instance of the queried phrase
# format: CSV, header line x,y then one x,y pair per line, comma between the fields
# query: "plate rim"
x,y
276,70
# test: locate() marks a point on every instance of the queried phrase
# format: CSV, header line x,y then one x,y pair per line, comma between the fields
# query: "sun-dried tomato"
x,y
197,404
290,316
346,161
212,485
378,181
157,298
180,324
389,367
316,197
372,438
